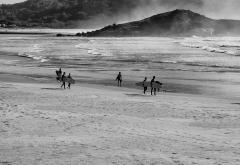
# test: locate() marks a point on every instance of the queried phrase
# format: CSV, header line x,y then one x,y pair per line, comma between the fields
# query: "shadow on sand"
x,y
138,95
236,103
51,88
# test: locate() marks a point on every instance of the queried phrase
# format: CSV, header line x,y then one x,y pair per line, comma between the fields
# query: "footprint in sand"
x,y
6,123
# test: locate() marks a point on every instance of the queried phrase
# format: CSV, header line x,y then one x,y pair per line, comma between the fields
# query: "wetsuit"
x,y
119,79
153,89
144,86
63,82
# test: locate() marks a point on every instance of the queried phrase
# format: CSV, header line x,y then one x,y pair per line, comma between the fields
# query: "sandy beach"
x,y
193,120
90,124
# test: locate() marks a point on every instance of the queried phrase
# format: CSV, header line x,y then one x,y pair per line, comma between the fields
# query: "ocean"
x,y
211,60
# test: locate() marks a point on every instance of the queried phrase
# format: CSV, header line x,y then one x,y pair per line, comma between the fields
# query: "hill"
x,y
64,13
174,23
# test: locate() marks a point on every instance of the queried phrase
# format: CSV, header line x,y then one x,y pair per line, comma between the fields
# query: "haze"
x,y
217,9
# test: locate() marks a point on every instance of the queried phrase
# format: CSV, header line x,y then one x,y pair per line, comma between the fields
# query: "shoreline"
x,y
22,33
175,86
43,31
203,84
183,86
81,80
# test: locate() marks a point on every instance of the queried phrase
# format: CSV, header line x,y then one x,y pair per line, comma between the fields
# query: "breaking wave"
x,y
217,49
94,52
39,58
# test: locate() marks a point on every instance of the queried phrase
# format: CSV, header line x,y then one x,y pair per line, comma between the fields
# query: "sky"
x,y
218,9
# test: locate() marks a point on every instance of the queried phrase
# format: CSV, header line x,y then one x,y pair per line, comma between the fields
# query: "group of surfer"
x,y
61,77
153,84
153,88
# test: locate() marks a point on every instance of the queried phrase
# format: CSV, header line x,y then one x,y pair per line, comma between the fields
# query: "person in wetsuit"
x,y
69,84
60,71
145,85
152,88
59,74
63,81
119,79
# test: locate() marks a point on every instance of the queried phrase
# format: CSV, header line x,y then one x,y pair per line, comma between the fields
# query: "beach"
x,y
96,124
194,119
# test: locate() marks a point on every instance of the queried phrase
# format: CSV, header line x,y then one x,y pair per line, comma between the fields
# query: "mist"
x,y
216,9
127,11
221,9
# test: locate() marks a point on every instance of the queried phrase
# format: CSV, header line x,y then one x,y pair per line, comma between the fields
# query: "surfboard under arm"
x,y
69,80
148,84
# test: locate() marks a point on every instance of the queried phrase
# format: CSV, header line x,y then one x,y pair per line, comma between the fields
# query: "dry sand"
x,y
100,125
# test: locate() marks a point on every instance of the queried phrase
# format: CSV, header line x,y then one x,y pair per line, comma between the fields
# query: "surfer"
x,y
152,88
119,79
145,85
69,83
59,74
63,80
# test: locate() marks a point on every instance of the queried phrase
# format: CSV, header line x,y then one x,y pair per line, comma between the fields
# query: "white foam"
x,y
233,52
190,45
212,49
169,61
81,46
227,44
36,48
39,58
212,45
93,52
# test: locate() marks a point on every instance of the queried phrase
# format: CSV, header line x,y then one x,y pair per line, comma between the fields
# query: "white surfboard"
x,y
148,84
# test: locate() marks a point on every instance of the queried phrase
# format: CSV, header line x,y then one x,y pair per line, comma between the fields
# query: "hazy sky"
x,y
229,9
10,1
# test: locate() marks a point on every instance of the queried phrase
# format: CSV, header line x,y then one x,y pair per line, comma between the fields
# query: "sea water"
x,y
195,54
187,57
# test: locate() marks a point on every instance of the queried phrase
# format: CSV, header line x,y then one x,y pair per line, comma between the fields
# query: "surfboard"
x,y
59,76
58,73
69,80
148,84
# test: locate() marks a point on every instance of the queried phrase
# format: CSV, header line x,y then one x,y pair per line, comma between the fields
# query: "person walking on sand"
x,y
119,79
60,71
63,80
145,85
69,83
153,89
59,74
